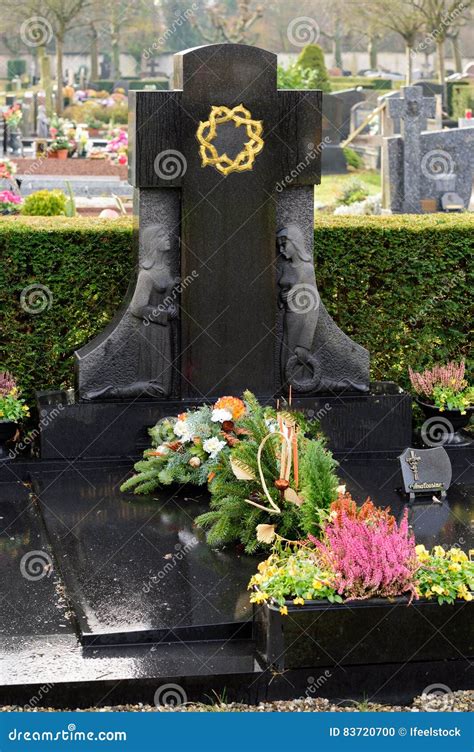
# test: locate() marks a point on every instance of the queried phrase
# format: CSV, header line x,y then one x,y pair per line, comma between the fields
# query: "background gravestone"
x,y
420,164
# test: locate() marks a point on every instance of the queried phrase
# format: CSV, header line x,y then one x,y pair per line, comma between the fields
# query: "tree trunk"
x,y
59,74
94,74
441,67
115,42
456,53
338,45
373,53
409,64
45,79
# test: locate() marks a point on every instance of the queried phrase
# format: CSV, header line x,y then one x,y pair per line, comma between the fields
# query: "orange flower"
x,y
233,404
211,476
182,416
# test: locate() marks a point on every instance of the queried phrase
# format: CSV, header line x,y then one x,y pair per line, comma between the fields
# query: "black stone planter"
x,y
7,432
445,427
376,631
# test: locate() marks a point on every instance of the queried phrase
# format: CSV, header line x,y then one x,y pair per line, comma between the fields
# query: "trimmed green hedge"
x,y
83,264
398,285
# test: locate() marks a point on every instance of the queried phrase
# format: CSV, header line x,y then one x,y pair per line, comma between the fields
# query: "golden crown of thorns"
x,y
207,131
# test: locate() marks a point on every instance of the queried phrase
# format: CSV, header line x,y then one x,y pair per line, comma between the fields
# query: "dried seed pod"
x,y
281,484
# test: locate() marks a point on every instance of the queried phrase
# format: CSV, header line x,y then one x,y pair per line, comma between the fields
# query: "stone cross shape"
x,y
228,140
413,109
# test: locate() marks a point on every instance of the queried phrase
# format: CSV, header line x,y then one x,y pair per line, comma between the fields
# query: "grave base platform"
x,y
378,421
105,627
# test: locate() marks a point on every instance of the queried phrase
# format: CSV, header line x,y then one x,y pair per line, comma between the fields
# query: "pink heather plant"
x,y
371,557
7,383
449,376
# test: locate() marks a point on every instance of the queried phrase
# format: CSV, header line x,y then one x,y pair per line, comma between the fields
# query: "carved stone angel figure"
x,y
151,320
315,355
299,299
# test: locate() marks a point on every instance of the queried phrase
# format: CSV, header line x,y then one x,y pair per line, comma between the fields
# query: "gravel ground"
x,y
445,701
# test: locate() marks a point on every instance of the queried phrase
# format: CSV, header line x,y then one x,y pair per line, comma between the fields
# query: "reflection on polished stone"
x,y
137,568
31,601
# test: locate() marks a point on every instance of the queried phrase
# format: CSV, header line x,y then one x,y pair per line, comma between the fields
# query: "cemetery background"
x,y
84,266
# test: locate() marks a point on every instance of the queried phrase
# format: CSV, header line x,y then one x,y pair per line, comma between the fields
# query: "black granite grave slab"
x,y
31,601
379,421
135,569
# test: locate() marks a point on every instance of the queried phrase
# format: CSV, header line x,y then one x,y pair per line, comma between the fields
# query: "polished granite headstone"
x,y
225,298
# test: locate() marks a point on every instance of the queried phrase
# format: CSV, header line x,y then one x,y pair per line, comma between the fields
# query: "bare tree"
x,y
222,27
442,19
361,18
404,19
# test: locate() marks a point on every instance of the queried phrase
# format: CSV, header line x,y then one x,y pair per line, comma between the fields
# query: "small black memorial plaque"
x,y
426,472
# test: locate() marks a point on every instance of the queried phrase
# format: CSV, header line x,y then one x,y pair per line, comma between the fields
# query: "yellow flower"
x,y
317,585
421,552
454,567
259,597
463,592
439,551
437,589
299,601
455,554
428,594
262,566
283,611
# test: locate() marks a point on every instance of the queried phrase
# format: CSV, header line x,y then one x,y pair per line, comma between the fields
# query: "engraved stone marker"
x,y
426,472
221,164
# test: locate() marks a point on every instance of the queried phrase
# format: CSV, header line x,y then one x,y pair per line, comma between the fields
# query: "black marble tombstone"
x,y
225,297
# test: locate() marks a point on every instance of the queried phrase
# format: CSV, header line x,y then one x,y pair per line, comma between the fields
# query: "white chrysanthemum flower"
x,y
213,446
183,430
220,415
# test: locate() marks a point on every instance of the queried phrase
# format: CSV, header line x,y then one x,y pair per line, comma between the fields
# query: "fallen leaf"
x,y
265,533
291,496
